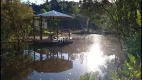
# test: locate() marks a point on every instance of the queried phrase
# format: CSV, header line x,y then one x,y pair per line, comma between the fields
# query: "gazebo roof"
x,y
54,13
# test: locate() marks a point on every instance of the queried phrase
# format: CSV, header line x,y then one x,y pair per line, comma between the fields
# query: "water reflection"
x,y
52,62
87,53
95,55
53,65
15,65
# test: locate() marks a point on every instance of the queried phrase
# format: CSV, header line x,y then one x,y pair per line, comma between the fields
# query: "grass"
x,y
86,32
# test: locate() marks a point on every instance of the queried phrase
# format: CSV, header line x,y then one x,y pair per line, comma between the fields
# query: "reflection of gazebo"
x,y
53,65
50,15
51,62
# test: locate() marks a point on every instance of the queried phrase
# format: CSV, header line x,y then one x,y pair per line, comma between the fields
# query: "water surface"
x,y
86,54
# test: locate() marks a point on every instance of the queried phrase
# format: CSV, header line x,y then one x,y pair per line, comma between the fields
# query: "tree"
x,y
47,7
63,6
16,20
42,10
74,9
124,20
121,16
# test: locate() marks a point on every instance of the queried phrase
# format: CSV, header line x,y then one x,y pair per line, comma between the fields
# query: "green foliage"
x,y
54,23
138,17
85,76
42,10
16,20
126,16
74,10
131,69
63,6
43,51
133,44
47,7
123,18
89,76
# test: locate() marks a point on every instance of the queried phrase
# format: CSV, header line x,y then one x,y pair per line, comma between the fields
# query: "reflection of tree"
x,y
73,56
81,58
15,65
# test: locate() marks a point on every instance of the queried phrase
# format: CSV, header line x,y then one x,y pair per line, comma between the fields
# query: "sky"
x,y
42,1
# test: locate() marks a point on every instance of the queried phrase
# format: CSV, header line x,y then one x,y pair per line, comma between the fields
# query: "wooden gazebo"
x,y
50,15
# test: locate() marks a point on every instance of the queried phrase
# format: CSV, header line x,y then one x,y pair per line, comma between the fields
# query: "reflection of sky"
x,y
95,56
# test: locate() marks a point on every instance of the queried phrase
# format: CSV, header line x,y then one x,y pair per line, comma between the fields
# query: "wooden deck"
x,y
47,41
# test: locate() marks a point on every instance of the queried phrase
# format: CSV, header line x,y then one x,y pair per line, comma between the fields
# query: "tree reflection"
x,y
15,65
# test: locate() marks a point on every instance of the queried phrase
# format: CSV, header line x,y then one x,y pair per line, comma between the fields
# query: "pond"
x,y
87,53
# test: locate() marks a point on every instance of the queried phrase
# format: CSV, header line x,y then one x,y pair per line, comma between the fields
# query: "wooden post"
x,y
61,55
50,28
47,23
34,54
58,29
68,56
69,29
57,55
69,33
40,56
50,55
57,32
40,27
53,55
34,37
33,28
47,55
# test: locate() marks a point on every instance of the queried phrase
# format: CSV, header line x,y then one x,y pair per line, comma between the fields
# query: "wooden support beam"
x,y
68,56
61,56
40,27
69,29
57,55
34,35
57,32
47,55
69,33
47,23
53,55
34,28
50,54
40,56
